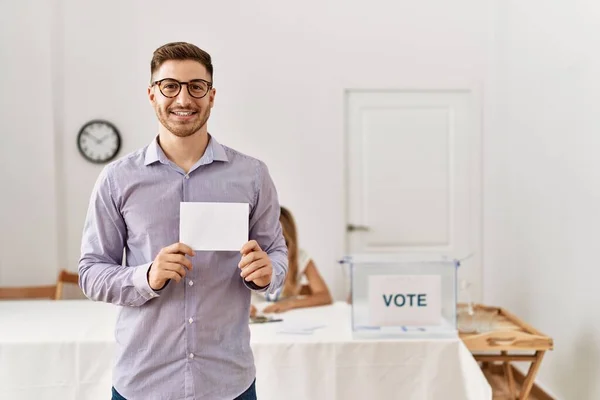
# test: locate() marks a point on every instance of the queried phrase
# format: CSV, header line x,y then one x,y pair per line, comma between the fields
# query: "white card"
x,y
405,300
214,226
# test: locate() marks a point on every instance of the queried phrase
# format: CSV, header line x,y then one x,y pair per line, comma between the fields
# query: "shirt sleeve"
x,y
101,275
266,230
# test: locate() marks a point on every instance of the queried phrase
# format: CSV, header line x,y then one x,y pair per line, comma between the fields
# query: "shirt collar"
x,y
214,152
217,150
152,152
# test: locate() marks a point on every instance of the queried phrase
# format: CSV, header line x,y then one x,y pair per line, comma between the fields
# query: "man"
x,y
182,331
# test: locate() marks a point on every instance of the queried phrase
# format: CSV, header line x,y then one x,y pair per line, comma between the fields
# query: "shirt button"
x,y
191,320
187,177
191,283
191,355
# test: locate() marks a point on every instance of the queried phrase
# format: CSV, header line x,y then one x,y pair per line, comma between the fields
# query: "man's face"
x,y
182,115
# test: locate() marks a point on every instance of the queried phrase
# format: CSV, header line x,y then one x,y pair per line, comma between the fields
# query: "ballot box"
x,y
402,296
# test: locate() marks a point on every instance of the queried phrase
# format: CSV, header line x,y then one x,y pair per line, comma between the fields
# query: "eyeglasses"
x,y
197,88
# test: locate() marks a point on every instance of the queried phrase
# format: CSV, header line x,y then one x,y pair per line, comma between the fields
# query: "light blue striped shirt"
x,y
191,340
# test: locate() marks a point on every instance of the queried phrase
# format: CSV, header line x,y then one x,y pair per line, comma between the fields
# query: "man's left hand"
x,y
255,264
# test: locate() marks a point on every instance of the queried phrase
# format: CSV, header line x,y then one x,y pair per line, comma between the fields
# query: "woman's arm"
x,y
319,293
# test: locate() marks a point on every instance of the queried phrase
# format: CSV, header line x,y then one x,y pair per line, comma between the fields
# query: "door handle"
x,y
352,228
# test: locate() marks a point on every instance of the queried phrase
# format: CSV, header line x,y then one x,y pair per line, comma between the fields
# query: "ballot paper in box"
x,y
403,296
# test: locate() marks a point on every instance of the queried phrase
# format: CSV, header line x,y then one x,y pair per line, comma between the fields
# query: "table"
x,y
508,337
63,350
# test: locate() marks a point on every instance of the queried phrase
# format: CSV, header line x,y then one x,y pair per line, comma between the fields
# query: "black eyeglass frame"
x,y
158,83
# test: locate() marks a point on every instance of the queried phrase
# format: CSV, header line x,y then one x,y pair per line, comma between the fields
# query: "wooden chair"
x,y
53,292
30,292
65,277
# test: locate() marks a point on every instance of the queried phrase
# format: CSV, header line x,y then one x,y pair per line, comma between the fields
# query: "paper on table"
x,y
213,226
301,328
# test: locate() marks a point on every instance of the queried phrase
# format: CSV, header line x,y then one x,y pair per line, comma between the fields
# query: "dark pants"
x,y
249,394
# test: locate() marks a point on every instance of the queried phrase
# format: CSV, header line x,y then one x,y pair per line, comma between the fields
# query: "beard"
x,y
183,128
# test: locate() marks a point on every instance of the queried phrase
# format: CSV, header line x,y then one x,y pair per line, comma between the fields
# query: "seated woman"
x,y
304,286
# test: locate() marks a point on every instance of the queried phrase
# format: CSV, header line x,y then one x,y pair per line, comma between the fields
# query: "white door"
x,y
413,176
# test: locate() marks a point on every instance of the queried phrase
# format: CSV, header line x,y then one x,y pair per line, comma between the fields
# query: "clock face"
x,y
99,141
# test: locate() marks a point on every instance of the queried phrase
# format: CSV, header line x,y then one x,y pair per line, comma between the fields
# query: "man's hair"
x,y
180,51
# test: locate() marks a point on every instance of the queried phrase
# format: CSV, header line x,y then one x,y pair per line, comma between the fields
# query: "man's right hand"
x,y
170,263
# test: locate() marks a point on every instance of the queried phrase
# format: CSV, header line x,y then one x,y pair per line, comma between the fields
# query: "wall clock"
x,y
99,141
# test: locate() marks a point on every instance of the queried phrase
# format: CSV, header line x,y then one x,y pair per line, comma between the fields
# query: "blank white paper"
x,y
213,226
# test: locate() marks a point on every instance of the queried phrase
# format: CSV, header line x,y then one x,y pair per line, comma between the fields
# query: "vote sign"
x,y
405,300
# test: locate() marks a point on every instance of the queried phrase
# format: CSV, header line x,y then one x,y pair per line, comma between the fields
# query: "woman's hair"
x,y
288,225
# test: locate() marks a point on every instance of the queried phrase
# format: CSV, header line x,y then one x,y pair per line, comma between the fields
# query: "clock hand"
x,y
93,137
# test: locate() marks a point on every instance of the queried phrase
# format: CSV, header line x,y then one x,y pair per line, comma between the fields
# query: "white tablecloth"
x,y
63,350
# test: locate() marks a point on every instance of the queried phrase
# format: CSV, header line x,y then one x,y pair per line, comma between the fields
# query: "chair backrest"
x,y
30,292
65,277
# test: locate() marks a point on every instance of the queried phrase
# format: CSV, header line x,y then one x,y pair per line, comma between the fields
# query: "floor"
x,y
500,387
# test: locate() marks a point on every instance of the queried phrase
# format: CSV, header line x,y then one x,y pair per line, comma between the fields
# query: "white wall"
x,y
542,197
280,72
28,187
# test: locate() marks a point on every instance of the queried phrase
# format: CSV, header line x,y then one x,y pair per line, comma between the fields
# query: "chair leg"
x,y
58,293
